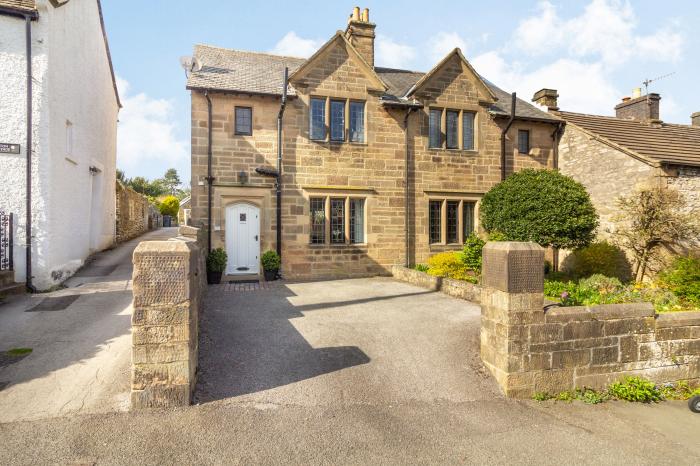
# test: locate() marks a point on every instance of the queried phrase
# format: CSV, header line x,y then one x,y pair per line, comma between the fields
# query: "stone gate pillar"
x,y
168,284
512,299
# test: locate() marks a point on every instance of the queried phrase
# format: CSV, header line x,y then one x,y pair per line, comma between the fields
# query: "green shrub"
x,y
598,258
170,206
543,206
601,284
449,264
216,260
635,389
541,396
472,252
554,288
683,278
271,260
421,267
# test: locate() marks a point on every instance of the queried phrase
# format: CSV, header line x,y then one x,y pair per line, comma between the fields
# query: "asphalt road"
x,y
80,338
366,371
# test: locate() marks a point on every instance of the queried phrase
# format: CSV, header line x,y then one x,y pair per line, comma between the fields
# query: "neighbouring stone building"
x,y
379,166
613,156
72,121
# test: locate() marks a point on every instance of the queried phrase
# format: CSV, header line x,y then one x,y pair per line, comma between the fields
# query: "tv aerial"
x,y
648,81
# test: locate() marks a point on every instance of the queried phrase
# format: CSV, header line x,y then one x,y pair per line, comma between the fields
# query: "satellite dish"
x,y
190,64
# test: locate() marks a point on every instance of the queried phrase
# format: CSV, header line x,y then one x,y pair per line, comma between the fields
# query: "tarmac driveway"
x,y
367,341
366,371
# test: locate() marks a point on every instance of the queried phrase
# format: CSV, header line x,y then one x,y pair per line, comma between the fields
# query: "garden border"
x,y
455,288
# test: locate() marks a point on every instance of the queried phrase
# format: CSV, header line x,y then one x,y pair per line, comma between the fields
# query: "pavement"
x,y
365,371
80,338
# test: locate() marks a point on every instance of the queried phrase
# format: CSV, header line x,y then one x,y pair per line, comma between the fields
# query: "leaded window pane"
x,y
337,221
435,218
318,119
524,141
452,129
318,220
337,120
434,134
468,131
244,121
357,221
468,209
357,121
452,221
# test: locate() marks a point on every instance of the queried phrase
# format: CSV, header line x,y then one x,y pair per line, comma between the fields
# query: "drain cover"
x,y
96,271
58,303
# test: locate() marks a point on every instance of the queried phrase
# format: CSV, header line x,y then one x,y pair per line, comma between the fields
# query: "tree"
x,y
171,180
649,219
146,187
121,176
543,206
169,206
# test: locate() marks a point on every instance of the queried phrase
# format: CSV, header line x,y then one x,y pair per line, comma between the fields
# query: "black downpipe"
x,y
503,137
278,184
28,35
210,179
406,190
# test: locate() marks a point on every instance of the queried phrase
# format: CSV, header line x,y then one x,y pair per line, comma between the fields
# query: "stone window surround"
x,y
327,196
460,128
327,117
529,146
443,198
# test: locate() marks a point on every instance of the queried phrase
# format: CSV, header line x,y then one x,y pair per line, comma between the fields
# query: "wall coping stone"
x,y
678,319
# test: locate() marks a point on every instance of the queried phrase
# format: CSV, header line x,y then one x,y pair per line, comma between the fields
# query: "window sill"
x,y
243,134
444,149
338,245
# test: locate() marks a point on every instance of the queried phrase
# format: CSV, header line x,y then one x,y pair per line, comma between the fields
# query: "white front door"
x,y
242,239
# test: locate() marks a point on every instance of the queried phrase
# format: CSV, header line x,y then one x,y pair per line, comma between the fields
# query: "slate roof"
x,y
260,73
20,5
660,143
241,71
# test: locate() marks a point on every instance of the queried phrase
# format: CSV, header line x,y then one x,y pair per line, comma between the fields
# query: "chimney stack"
x,y
360,33
640,107
547,98
695,119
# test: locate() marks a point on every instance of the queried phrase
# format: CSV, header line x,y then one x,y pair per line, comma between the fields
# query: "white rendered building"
x,y
74,111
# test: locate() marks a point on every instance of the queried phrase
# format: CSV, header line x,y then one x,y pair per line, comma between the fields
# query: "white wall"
x,y
80,91
13,129
73,211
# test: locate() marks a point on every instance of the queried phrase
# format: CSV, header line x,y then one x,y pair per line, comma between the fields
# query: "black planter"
x,y
213,277
270,275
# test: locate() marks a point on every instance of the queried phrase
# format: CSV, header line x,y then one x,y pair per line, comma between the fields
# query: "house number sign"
x,y
9,148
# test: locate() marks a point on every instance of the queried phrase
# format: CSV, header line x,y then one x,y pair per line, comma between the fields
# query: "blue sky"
x,y
594,52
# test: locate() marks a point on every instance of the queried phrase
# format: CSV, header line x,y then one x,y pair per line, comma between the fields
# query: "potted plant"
x,y
271,265
216,263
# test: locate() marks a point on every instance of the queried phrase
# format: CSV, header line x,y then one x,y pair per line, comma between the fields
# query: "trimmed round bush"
x,y
542,206
598,258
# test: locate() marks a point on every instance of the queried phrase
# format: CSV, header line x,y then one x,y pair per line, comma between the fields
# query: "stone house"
x,y
613,156
54,55
377,166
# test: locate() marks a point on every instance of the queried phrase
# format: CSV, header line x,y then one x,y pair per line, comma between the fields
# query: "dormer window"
x,y
357,121
445,132
434,132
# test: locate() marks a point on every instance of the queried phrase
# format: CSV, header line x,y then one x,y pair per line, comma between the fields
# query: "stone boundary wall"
x,y
531,350
169,281
456,288
132,213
